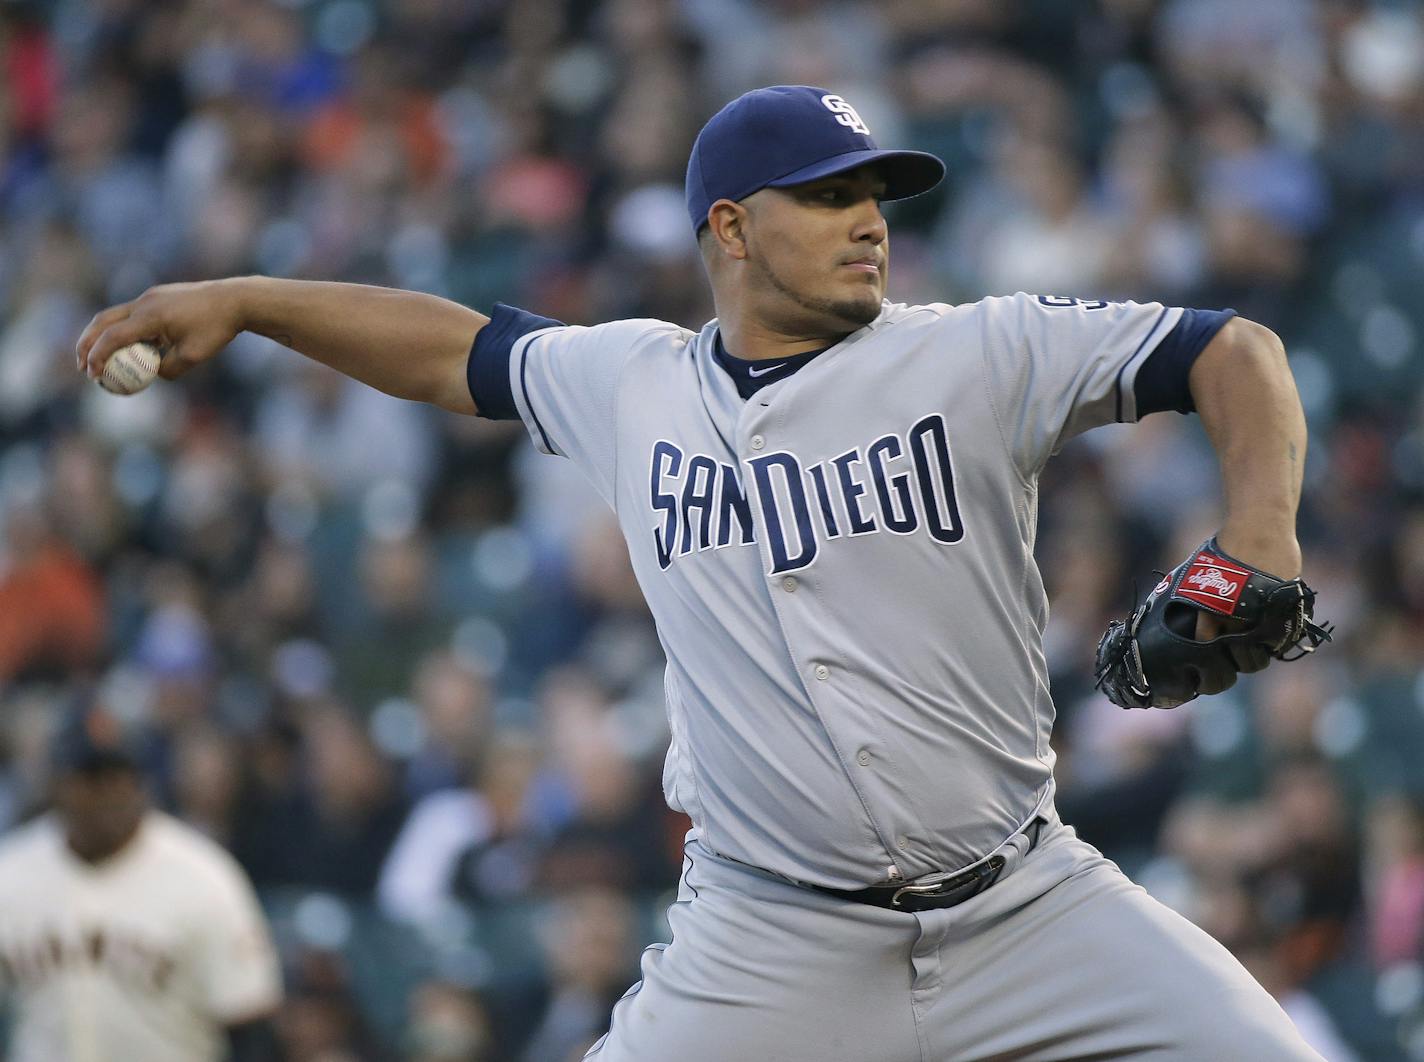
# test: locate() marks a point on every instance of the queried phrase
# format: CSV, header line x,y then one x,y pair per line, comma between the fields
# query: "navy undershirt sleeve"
x,y
1161,383
487,371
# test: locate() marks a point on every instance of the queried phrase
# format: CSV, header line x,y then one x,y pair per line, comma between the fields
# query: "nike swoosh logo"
x,y
763,372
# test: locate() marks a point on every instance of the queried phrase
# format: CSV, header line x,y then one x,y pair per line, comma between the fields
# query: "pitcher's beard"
x,y
854,312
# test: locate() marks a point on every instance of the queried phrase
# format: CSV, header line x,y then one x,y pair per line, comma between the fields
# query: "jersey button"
x,y
902,842
789,584
758,442
862,757
822,672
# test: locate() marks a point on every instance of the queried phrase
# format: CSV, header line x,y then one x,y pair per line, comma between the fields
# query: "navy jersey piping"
x,y
533,413
1117,382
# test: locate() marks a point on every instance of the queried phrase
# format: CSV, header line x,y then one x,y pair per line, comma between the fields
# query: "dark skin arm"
x,y
404,343
1247,400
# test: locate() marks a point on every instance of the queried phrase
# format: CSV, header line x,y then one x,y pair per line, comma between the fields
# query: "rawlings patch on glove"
x,y
1153,659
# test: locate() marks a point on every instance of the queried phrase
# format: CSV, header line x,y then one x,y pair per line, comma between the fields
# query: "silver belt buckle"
x,y
918,890
968,877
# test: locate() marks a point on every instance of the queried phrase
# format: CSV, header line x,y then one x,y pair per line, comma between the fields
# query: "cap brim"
x,y
906,173
99,763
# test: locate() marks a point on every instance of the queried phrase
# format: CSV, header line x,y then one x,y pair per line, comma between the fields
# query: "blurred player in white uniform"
x,y
126,935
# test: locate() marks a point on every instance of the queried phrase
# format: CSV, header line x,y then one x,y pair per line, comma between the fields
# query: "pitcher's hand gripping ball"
x,y
1153,659
130,369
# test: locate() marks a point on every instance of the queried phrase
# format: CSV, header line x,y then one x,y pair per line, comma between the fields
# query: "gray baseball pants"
x,y
1062,958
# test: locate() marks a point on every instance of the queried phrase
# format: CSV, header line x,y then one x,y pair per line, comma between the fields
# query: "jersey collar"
x,y
751,376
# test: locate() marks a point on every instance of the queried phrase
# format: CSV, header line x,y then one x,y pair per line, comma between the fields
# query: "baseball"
x,y
130,369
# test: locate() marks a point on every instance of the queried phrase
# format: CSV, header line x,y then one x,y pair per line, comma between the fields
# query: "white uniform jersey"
x,y
841,567
146,955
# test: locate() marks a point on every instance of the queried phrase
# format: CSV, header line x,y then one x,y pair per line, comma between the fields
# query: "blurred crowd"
x,y
397,663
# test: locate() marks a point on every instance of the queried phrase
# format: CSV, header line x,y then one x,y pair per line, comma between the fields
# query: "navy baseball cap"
x,y
790,134
89,737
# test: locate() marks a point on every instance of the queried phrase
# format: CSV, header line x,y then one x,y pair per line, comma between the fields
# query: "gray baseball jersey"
x,y
841,567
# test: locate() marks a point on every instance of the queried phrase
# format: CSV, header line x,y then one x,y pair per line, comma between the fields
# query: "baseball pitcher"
x,y
829,500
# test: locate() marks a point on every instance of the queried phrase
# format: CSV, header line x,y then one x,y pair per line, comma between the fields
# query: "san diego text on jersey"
x,y
901,483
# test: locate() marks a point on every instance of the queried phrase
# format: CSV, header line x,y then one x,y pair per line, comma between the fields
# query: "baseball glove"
x,y
1153,659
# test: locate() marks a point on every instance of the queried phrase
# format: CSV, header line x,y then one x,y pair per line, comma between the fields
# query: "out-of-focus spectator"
x,y
52,618
45,306
207,782
317,428
1156,240
610,831
1260,201
398,623
324,809
477,845
322,1021
454,704
447,1024
1051,237
1396,851
505,864
354,808
590,950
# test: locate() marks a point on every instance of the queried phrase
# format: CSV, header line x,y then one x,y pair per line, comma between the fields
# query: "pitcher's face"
x,y
820,251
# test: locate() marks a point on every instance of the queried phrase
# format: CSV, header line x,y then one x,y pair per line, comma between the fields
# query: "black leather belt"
x,y
932,896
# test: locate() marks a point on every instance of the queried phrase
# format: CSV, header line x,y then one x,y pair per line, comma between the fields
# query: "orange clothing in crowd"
x,y
339,131
51,613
